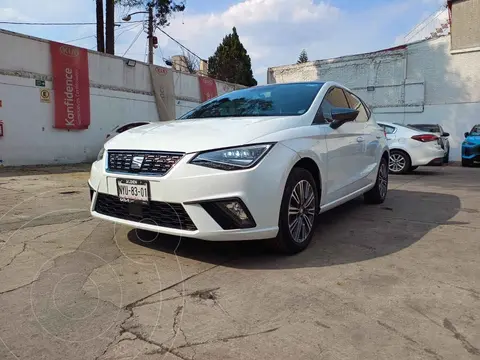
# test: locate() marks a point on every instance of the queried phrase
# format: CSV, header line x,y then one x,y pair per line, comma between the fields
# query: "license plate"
x,y
133,190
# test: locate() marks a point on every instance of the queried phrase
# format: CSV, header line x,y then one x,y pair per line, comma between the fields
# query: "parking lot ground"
x,y
394,281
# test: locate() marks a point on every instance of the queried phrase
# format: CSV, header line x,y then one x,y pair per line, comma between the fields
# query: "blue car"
x,y
471,147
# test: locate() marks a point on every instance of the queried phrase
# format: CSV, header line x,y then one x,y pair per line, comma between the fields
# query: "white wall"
x,y
118,94
420,83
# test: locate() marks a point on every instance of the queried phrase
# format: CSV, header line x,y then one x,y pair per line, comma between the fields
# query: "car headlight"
x,y
100,154
236,158
468,143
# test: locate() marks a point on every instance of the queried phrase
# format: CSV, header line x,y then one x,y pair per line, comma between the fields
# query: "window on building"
x,y
465,32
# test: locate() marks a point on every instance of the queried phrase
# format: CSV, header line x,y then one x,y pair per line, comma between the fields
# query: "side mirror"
x,y
342,115
446,134
466,134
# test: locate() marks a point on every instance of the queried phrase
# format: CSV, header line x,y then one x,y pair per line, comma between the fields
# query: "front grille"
x,y
468,151
158,213
147,162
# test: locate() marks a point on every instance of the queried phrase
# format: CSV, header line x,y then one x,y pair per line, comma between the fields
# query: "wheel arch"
x,y
402,151
386,156
311,165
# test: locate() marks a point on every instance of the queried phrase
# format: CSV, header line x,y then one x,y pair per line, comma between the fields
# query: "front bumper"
x,y
178,199
471,152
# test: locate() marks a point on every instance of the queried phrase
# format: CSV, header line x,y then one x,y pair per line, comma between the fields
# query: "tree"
x,y
100,37
303,58
163,11
191,62
231,63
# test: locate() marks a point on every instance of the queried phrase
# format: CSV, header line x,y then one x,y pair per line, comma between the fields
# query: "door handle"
x,y
360,139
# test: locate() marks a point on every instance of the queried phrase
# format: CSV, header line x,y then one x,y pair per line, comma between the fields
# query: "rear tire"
x,y
399,162
413,168
466,163
298,213
378,193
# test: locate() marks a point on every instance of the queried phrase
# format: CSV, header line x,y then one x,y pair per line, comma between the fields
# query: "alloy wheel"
x,y
383,180
301,211
397,163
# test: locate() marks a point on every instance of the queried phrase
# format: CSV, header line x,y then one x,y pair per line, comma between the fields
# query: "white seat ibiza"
x,y
256,163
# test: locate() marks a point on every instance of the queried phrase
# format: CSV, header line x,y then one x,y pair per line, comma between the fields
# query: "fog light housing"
x,y
230,214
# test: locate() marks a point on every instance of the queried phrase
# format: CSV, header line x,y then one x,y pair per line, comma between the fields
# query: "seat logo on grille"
x,y
137,162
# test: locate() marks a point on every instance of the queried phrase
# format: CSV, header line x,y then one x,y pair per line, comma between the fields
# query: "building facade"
x,y
431,81
120,91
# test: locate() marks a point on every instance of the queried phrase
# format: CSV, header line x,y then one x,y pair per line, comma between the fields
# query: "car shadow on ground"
x,y
350,233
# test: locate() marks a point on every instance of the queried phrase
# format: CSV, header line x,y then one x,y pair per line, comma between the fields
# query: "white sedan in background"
x,y
411,148
256,163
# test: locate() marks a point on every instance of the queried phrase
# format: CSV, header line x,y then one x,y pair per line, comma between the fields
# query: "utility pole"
x,y
150,33
150,28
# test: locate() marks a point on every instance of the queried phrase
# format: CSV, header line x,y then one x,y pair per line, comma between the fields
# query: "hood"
x,y
200,134
474,139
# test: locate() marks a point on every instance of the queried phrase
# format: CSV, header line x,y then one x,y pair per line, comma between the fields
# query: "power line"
x,y
181,45
127,28
82,38
425,23
133,42
60,23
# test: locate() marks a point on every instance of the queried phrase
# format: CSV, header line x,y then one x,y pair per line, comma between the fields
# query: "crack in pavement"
x,y
447,324
162,348
240,336
65,228
139,301
46,220
408,338
122,331
18,288
415,308
15,256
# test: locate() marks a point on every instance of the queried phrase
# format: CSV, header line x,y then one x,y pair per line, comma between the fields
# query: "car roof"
x,y
327,83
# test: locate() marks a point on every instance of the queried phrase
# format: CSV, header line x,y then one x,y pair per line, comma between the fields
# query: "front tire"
x,y
298,213
378,193
466,162
413,168
399,162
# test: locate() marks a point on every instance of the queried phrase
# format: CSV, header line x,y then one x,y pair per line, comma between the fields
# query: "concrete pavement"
x,y
396,281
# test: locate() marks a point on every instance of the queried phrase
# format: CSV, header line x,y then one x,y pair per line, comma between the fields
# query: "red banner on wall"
x,y
71,85
208,88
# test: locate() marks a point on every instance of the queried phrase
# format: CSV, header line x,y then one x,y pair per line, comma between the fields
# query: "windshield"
x,y
475,131
271,100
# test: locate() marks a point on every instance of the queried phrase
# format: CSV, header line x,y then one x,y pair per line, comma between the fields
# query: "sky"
x,y
274,32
